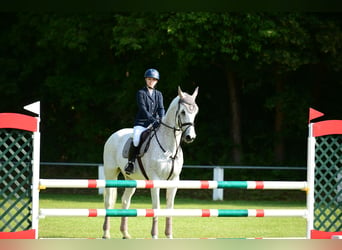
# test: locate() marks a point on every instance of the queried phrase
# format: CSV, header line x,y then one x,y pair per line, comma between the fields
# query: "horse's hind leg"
x,y
126,202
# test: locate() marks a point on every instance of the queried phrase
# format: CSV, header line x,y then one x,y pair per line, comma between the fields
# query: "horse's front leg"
x,y
126,202
109,200
170,198
155,205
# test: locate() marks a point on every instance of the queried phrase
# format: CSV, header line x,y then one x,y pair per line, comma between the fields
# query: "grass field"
x,y
183,227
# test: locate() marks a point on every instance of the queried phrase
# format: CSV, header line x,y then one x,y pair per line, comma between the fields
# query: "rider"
x,y
150,111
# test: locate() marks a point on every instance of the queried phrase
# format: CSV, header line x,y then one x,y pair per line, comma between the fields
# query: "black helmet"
x,y
153,73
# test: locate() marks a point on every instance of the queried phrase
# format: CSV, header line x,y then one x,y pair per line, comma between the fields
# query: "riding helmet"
x,y
153,73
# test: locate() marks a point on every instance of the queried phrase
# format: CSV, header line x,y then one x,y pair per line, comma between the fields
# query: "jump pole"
x,y
174,212
143,184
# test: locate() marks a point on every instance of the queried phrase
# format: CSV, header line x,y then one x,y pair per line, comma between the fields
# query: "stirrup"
x,y
129,169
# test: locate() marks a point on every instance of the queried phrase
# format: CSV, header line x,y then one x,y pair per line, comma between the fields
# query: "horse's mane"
x,y
173,103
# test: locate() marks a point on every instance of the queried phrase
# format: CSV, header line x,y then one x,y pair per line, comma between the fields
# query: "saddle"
x,y
144,144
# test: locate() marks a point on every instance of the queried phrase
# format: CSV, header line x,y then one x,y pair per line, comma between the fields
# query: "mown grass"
x,y
183,227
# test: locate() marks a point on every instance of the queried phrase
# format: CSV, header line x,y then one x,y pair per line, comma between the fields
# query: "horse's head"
x,y
186,113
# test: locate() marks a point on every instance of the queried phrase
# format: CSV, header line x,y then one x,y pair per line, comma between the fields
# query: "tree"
x,y
291,42
248,47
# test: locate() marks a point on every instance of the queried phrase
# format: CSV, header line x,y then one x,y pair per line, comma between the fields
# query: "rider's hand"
x,y
155,124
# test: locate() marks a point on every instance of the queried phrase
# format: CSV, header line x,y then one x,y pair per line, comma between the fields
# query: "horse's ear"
x,y
195,93
180,93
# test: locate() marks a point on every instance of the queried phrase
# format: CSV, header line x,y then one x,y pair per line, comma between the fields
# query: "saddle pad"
x,y
126,147
142,147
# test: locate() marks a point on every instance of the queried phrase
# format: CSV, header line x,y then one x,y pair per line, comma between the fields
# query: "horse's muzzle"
x,y
189,138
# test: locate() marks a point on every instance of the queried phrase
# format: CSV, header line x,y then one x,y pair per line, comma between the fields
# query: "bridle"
x,y
179,121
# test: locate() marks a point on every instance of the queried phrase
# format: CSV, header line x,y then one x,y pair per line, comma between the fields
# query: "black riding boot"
x,y
129,169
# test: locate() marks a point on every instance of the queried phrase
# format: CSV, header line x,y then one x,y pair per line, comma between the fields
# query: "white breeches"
x,y
137,130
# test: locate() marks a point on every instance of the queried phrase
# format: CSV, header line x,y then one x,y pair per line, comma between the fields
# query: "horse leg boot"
x,y
132,154
106,228
126,202
168,227
155,197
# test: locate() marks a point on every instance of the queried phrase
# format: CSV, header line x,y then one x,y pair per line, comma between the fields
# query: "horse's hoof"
x,y
126,237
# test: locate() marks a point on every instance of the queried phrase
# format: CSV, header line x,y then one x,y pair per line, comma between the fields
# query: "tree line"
x,y
258,73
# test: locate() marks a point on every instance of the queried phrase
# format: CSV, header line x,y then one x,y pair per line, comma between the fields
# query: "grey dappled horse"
x,y
162,161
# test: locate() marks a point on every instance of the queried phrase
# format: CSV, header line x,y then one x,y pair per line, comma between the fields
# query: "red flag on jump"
x,y
313,114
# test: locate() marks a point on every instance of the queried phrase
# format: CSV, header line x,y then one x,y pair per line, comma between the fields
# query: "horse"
x,y
162,161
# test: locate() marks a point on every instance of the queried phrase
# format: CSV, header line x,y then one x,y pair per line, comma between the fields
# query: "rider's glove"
x,y
155,124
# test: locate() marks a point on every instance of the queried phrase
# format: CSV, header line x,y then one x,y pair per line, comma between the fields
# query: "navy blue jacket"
x,y
150,108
